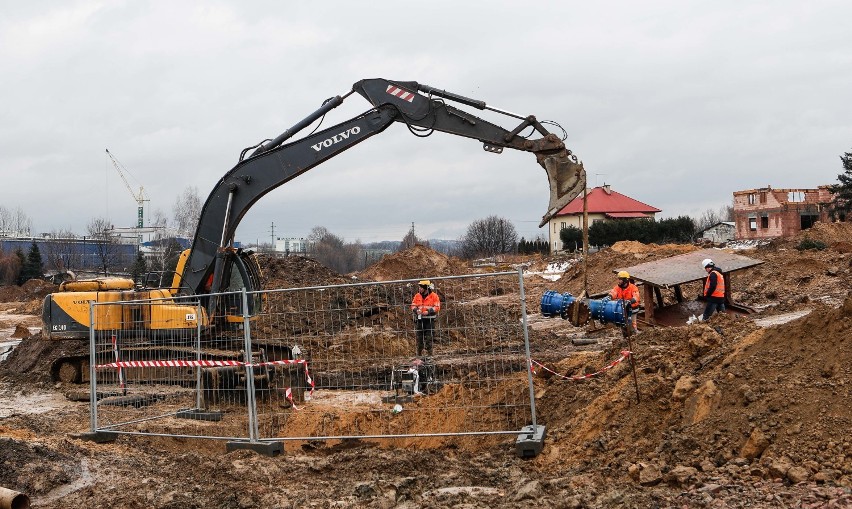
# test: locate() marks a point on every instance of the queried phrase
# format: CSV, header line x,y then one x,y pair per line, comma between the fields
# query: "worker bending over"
x,y
628,292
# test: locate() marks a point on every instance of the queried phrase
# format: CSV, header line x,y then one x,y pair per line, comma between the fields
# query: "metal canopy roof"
x,y
686,268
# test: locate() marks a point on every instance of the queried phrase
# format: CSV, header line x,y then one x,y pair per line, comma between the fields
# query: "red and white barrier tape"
x,y
624,355
213,364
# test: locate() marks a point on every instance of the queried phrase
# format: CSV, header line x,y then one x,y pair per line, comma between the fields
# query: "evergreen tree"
x,y
35,263
33,266
140,267
571,237
841,205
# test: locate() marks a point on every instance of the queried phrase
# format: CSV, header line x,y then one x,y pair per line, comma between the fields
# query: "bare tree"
x,y
333,252
106,244
63,251
6,222
10,267
711,217
410,240
707,219
161,254
490,236
15,223
186,211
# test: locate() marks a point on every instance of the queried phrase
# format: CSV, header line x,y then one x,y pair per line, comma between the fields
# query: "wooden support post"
x,y
678,294
727,278
649,303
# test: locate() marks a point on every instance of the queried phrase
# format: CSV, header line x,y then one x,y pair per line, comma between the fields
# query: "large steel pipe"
x,y
11,499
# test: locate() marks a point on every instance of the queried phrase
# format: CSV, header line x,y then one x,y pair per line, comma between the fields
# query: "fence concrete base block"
x,y
264,448
98,437
200,415
530,441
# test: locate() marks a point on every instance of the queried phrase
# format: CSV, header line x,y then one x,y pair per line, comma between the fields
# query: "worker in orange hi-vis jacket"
x,y
425,305
627,291
714,289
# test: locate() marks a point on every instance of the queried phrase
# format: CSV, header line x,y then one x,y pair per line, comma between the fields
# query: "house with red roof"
x,y
603,204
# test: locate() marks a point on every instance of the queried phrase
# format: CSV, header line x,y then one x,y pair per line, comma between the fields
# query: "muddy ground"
x,y
742,411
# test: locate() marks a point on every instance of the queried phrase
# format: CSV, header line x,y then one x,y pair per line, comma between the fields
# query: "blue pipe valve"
x,y
607,311
556,304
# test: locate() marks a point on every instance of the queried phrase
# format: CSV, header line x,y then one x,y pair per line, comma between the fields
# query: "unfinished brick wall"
x,y
766,212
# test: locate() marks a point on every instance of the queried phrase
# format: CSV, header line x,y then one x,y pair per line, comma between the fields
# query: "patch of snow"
x,y
558,266
779,319
7,346
554,270
738,245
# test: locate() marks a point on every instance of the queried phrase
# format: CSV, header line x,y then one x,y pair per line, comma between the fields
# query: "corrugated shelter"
x,y
670,273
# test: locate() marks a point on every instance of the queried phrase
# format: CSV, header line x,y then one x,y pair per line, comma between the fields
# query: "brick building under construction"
x,y
766,212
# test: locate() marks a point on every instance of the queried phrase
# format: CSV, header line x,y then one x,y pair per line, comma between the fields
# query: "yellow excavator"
x,y
213,265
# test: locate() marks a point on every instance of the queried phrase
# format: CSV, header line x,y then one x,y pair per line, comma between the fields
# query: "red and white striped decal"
x,y
624,355
403,94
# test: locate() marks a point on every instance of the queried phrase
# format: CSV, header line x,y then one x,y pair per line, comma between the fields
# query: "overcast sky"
x,y
676,104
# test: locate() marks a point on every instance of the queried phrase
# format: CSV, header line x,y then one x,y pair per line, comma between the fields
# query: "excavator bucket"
x,y
567,179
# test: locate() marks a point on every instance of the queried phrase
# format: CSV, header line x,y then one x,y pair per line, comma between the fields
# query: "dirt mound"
x,y
297,272
21,331
11,293
38,289
635,247
827,233
723,398
30,362
413,263
790,277
37,468
30,290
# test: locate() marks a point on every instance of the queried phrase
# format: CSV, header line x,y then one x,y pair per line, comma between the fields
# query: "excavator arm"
x,y
421,107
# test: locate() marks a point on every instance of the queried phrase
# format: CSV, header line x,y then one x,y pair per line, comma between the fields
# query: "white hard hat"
x,y
707,262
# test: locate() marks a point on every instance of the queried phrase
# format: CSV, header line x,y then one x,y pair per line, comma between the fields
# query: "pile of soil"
x,y
791,278
296,272
28,296
414,263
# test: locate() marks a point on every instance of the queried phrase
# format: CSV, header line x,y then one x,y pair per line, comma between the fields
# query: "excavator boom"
x,y
420,107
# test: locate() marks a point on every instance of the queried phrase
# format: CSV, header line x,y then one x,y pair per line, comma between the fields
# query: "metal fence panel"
x,y
329,362
159,364
359,346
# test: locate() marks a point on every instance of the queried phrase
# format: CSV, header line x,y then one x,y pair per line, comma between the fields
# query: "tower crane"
x,y
139,197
